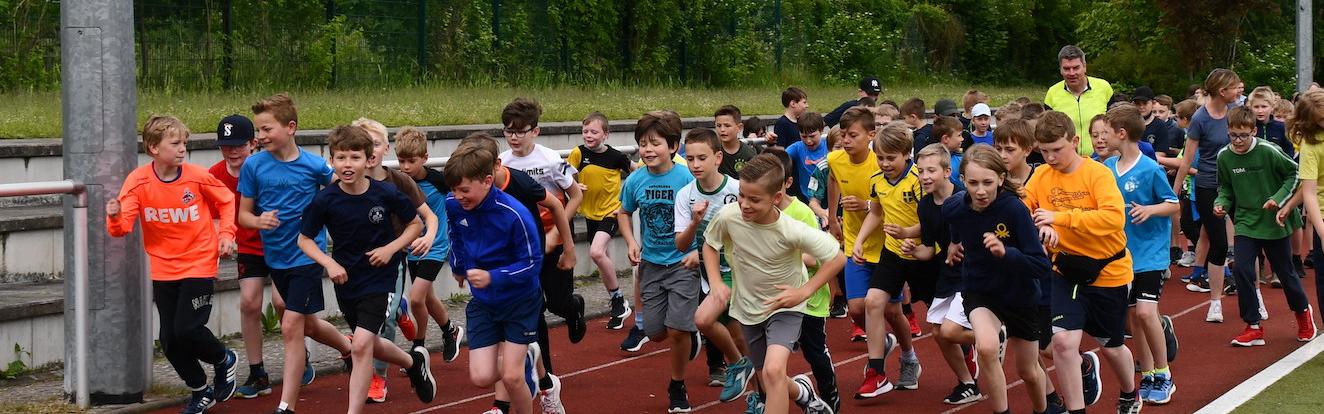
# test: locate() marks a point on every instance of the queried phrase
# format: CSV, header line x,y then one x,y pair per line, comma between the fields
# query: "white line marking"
x,y
1254,385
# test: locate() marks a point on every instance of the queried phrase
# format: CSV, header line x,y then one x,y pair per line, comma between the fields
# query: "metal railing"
x,y
438,162
75,189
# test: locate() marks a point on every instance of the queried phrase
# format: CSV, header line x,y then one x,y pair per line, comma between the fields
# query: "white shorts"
x,y
949,308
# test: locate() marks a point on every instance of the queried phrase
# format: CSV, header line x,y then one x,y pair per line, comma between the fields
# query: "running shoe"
x,y
1264,313
634,340
696,344
577,324
1305,325
1198,285
620,309
551,397
875,384
1215,314
1187,259
963,393
717,377
377,389
914,326
406,323
200,401
1089,375
420,375
838,309
226,377
754,403
254,387
857,334
1249,337
814,404
1002,343
971,362
1129,405
910,372
737,379
679,398
1169,336
450,342
1163,389
1146,385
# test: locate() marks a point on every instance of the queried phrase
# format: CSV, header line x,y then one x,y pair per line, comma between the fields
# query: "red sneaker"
x,y
406,325
875,384
971,363
1249,337
377,390
1305,325
857,334
914,325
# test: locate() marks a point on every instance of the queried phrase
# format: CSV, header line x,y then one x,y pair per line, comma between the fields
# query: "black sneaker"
x,y
620,309
1089,375
420,375
283,411
1055,404
200,401
838,309
576,324
696,344
1169,336
1129,405
450,342
635,340
226,377
963,393
1296,265
1174,254
680,399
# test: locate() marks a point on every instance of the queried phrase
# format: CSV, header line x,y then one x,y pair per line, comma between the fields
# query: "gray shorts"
x,y
671,295
782,328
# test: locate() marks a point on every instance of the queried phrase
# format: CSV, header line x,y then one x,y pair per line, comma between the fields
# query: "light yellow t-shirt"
x,y
763,257
818,303
854,180
1311,156
900,203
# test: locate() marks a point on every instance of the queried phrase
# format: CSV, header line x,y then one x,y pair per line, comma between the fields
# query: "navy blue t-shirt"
x,y
787,132
1164,136
933,230
357,224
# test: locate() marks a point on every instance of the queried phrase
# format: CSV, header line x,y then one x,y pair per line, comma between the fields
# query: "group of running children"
x,y
1016,241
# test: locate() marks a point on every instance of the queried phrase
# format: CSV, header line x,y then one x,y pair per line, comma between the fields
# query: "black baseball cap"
x,y
870,85
1143,93
234,130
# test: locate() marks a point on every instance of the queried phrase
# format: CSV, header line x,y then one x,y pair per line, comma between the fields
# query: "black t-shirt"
x,y
358,224
523,188
1164,136
933,231
787,132
923,136
833,118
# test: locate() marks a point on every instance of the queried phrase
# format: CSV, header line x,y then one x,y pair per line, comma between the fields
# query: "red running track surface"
x,y
598,377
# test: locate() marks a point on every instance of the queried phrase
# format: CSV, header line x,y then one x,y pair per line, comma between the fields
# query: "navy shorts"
x,y
251,265
368,311
893,273
1099,311
301,286
515,322
425,269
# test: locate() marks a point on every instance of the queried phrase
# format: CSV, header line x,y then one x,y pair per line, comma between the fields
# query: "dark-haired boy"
x,y
1251,169
670,290
357,212
806,154
796,102
870,88
912,112
735,153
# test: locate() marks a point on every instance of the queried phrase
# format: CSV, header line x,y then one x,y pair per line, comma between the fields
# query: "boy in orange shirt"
x,y
176,202
1080,215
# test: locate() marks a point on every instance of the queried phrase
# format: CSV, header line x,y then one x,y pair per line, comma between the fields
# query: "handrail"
x,y
438,162
78,190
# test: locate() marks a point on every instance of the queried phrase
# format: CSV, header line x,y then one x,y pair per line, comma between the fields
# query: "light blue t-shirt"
x,y
436,201
654,196
986,139
288,188
1212,136
1145,184
806,162
956,173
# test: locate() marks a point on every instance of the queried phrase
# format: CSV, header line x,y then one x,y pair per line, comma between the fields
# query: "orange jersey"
x,y
177,220
1089,215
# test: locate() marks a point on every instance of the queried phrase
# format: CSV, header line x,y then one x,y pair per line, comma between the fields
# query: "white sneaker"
x,y
1187,259
1264,313
1215,312
551,398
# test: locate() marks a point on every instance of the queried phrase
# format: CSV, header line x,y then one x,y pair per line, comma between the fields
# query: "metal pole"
x,y
227,44
777,26
1305,45
105,295
422,39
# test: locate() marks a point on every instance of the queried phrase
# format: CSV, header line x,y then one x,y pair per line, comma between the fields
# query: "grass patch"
x,y
51,406
1298,392
37,114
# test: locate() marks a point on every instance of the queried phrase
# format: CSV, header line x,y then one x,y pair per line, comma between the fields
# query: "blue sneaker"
x,y
737,379
309,374
1146,384
226,377
255,386
200,401
1162,390
754,403
531,367
1090,381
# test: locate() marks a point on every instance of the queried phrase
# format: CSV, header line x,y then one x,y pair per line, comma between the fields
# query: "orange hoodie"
x,y
1090,215
178,233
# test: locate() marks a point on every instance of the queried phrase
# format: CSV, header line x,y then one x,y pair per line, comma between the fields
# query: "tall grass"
x,y
37,114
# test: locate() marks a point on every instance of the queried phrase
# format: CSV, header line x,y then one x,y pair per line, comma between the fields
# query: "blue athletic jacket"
x,y
498,236
1016,277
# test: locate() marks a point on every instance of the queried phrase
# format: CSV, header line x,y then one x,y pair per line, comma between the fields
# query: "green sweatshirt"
x,y
1247,181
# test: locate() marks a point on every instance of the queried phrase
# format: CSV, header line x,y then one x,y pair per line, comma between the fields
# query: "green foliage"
x,y
459,298
270,320
17,366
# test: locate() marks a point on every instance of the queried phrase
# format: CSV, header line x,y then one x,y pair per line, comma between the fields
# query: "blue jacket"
x,y
499,236
1014,279
1274,131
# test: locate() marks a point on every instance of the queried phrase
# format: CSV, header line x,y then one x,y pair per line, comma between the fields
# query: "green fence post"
x,y
777,27
496,24
331,15
422,40
227,44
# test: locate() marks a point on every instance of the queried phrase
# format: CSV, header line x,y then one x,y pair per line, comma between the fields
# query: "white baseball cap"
x,y
980,109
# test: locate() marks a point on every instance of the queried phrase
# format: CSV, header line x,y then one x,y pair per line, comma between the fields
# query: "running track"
x,y
600,378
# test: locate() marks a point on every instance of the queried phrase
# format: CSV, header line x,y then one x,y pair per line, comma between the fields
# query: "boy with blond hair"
x,y
601,169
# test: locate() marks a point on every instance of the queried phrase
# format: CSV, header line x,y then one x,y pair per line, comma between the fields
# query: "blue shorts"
x,y
858,277
301,287
1099,311
514,322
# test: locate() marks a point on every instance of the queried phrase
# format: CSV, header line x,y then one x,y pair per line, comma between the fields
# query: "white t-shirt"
x,y
545,166
726,193
764,256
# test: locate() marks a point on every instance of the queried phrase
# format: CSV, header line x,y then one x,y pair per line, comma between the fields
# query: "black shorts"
x,y
1099,311
425,269
893,272
1147,287
1021,321
607,225
1045,326
367,311
251,265
301,287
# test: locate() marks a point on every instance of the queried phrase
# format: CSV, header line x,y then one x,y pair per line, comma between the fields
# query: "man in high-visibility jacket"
x,y
1081,97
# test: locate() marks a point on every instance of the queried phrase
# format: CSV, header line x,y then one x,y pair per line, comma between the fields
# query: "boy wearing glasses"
x,y
519,120
1257,187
